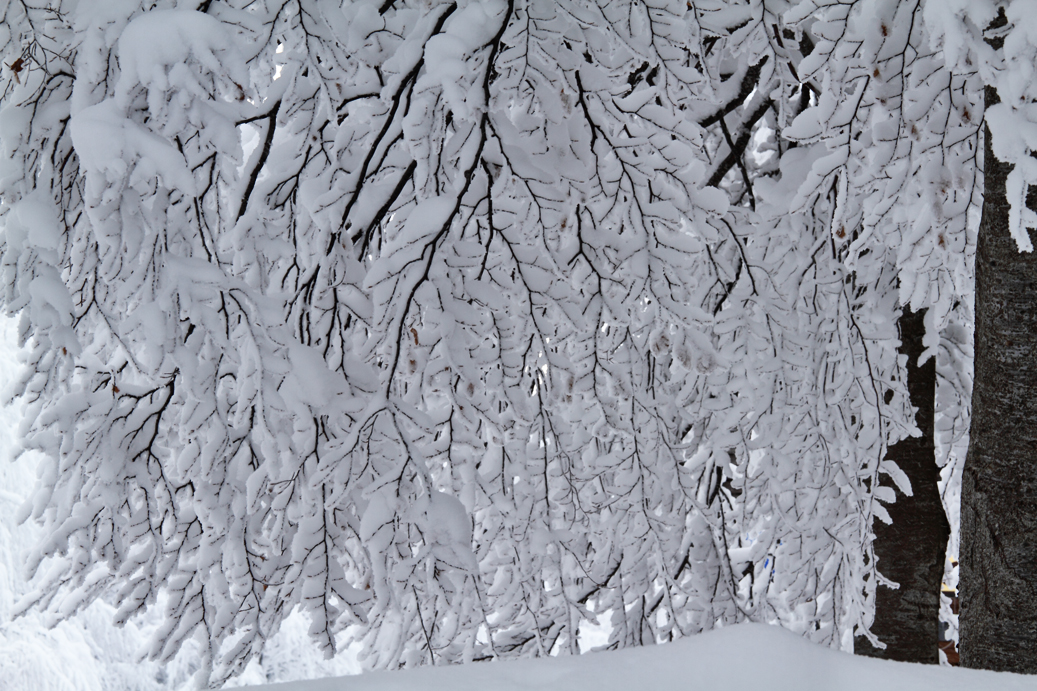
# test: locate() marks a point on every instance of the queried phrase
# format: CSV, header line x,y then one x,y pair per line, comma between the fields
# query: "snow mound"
x,y
748,656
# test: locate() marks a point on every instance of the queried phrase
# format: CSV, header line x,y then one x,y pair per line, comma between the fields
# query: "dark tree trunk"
x,y
912,550
998,585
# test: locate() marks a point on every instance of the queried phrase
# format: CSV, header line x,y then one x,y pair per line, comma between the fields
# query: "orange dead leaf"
x,y
16,67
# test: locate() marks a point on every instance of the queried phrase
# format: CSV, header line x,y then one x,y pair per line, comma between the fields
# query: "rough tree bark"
x,y
998,583
912,550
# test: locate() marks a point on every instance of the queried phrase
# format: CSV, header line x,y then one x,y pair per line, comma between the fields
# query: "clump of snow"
x,y
446,54
155,49
110,144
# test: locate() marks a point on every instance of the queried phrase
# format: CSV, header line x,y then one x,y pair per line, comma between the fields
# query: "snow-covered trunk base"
x,y
998,619
911,550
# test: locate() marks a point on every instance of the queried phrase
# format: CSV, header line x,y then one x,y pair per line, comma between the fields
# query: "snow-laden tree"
x,y
458,324
970,121
903,139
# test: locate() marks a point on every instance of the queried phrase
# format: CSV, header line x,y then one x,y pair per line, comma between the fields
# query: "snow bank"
x,y
749,656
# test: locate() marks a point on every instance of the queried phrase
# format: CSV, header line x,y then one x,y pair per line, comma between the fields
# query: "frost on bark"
x,y
911,550
998,586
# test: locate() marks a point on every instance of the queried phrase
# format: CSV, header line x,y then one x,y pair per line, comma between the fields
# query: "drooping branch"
x,y
737,148
750,80
264,154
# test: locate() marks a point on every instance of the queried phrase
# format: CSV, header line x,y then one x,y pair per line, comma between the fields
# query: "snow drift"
x,y
747,656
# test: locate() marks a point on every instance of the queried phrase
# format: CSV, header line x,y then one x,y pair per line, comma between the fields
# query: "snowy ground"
x,y
739,658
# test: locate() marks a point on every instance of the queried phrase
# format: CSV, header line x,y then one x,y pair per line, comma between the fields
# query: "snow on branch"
x,y
459,325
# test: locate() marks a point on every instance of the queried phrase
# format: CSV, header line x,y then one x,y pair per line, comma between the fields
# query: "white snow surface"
x,y
747,656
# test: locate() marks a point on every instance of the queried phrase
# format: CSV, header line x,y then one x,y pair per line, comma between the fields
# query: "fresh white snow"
x,y
739,658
